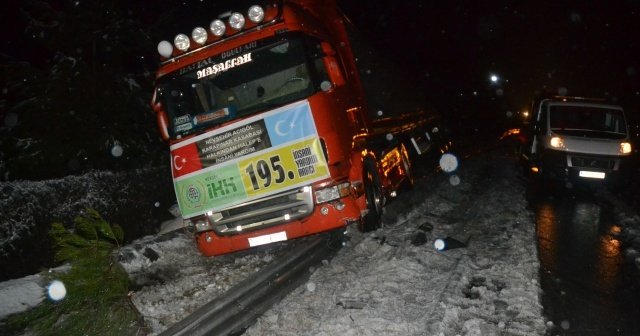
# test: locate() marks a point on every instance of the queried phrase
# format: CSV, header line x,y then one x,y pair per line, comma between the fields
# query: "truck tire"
x,y
373,196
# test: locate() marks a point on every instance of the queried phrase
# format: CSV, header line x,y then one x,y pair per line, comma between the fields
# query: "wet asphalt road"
x,y
589,287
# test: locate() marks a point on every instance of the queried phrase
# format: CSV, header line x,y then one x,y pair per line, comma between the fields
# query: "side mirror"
x,y
333,70
331,64
162,120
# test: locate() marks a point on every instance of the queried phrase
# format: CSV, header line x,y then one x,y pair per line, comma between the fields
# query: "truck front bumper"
x,y
320,218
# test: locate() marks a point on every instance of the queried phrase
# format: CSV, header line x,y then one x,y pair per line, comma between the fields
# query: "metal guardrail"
x,y
240,306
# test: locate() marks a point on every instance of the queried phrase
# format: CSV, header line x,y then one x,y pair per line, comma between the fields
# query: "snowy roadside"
x,y
389,283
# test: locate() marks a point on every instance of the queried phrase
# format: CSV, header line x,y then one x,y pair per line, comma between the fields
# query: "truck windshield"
x,y
241,82
581,120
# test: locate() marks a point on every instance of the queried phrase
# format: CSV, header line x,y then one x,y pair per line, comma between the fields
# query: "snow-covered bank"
x,y
137,200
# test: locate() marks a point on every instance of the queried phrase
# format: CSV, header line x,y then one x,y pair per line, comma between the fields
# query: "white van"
x,y
578,139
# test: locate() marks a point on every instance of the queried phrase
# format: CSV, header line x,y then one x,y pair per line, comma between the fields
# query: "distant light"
x,y
494,78
56,290
287,217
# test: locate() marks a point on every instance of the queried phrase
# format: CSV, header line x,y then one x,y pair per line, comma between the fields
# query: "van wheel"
x,y
373,196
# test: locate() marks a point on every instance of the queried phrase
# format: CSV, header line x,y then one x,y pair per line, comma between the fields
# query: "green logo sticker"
x,y
193,194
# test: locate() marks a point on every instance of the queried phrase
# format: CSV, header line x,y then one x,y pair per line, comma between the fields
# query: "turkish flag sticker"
x,y
185,160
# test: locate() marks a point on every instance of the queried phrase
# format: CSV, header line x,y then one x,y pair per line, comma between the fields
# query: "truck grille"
x,y
265,212
590,162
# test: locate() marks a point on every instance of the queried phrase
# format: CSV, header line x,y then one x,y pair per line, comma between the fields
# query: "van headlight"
x,y
625,148
556,142
332,193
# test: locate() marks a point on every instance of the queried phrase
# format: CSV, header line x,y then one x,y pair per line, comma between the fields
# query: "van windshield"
x,y
580,120
239,83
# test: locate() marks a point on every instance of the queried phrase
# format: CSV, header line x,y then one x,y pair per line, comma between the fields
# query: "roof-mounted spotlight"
x,y
255,14
236,21
217,27
199,35
182,43
165,49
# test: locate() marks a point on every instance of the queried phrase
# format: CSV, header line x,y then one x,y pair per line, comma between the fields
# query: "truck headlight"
x,y
236,21
556,142
217,27
332,193
181,42
200,224
165,49
199,35
256,14
625,148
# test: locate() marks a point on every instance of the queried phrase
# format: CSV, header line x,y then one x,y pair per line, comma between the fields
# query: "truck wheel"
x,y
373,196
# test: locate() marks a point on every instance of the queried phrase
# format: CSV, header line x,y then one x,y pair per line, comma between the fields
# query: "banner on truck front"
x,y
260,156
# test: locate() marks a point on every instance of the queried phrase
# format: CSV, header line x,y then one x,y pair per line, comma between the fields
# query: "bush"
x,y
97,301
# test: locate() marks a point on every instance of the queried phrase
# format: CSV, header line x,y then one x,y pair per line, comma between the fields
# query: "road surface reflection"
x,y
588,289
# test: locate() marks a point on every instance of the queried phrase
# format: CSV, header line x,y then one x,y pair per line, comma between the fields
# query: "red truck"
x,y
269,130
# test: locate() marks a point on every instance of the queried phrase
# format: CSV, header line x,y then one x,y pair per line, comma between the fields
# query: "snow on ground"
x,y
173,279
391,281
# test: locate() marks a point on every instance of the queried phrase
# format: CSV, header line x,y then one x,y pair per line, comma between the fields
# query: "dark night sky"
x,y
589,48
452,47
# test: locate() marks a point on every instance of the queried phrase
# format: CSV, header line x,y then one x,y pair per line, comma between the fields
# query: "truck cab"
x,y
268,127
574,139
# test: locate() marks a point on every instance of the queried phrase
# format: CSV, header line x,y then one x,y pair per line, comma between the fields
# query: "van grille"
x,y
265,212
590,162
